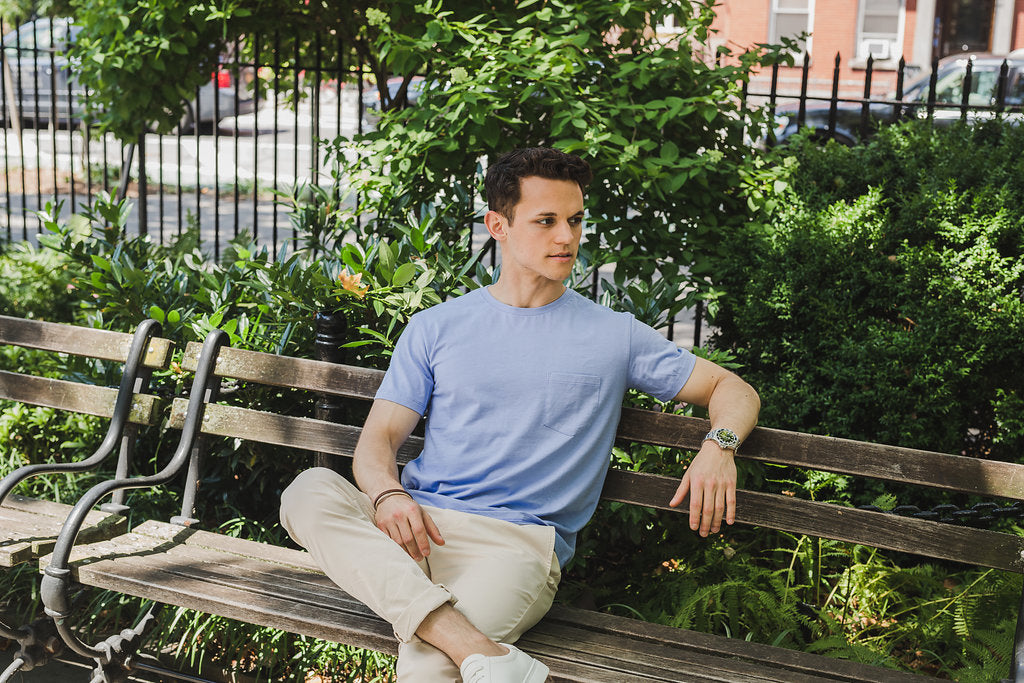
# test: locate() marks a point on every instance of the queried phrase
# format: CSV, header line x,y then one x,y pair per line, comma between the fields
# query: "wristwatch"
x,y
726,439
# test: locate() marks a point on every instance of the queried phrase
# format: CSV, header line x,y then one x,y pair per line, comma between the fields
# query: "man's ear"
x,y
496,224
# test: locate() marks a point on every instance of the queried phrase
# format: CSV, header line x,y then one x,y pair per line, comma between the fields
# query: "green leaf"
x,y
403,274
669,151
386,259
157,314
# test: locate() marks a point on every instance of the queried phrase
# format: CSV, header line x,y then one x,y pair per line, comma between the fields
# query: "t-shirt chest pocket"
x,y
571,401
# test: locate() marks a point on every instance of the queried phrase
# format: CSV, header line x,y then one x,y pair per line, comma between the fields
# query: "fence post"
x,y
331,327
126,171
834,104
865,107
801,115
143,187
698,317
13,106
965,90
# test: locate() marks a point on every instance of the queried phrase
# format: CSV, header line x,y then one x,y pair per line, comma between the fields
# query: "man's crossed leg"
x,y
490,581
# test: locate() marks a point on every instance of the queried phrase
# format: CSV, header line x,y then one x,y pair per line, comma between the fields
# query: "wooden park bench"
x,y
29,526
281,588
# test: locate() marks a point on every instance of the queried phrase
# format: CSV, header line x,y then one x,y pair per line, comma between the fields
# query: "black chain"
x,y
978,515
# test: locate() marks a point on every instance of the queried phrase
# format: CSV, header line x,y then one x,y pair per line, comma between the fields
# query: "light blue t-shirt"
x,y
522,403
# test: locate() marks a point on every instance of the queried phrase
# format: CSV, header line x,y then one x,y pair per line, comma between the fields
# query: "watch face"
x,y
726,438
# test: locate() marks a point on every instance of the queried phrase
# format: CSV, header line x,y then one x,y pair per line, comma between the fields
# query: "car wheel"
x,y
187,123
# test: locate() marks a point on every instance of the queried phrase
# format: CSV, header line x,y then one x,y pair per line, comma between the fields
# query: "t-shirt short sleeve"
x,y
657,366
409,380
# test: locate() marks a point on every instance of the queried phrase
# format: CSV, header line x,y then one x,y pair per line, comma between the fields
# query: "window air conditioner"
x,y
877,48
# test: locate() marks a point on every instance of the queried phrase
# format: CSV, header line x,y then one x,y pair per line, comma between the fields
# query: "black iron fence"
x,y
957,88
247,135
251,132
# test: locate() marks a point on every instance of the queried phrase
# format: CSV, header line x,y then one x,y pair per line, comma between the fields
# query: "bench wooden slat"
x,y
283,430
642,660
879,461
625,660
845,456
285,371
80,341
824,520
645,634
29,528
276,587
892,463
150,567
79,398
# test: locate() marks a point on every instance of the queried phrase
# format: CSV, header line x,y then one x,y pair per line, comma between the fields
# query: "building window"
x,y
669,23
791,18
880,29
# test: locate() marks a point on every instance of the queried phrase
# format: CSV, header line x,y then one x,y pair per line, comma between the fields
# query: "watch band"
x,y
726,438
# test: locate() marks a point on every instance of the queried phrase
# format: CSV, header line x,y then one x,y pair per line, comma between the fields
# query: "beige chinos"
x,y
502,576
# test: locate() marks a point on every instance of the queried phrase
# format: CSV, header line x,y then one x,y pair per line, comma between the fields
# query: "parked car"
x,y
43,84
949,91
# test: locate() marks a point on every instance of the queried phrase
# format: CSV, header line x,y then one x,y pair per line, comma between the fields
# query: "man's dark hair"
x,y
502,183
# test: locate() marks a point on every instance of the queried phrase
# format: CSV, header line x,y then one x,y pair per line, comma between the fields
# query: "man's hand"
x,y
710,481
408,525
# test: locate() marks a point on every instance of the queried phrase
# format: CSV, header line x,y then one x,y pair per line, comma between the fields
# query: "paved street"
x,y
253,155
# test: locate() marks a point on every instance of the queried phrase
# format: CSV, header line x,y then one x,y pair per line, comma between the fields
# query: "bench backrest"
x,y
30,526
776,511
77,341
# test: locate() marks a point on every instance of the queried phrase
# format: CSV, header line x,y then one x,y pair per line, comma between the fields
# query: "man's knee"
x,y
509,597
312,494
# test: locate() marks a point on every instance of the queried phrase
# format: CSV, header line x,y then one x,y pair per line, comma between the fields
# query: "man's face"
x,y
543,237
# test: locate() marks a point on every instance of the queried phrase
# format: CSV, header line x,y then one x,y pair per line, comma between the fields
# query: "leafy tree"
x,y
662,125
660,121
143,59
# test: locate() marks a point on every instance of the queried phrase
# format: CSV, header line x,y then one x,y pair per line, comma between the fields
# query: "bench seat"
x,y
282,588
29,528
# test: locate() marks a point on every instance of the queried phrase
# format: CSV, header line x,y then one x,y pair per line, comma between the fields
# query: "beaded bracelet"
x,y
387,494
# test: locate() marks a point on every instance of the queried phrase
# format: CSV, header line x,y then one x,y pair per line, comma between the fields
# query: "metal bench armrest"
x,y
56,577
133,380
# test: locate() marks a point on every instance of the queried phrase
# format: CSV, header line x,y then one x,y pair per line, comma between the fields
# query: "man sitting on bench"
x,y
522,384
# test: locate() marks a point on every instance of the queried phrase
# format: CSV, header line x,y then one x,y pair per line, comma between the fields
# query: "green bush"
x,y
882,297
33,282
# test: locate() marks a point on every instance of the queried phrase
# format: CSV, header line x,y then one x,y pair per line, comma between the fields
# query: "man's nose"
x,y
564,233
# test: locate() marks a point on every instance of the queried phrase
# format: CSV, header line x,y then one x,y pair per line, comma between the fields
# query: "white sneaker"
x,y
515,667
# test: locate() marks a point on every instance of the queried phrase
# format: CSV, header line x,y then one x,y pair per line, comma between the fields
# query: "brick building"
x,y
917,30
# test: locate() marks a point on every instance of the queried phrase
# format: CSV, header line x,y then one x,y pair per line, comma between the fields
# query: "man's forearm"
x,y
375,468
385,429
376,471
734,404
